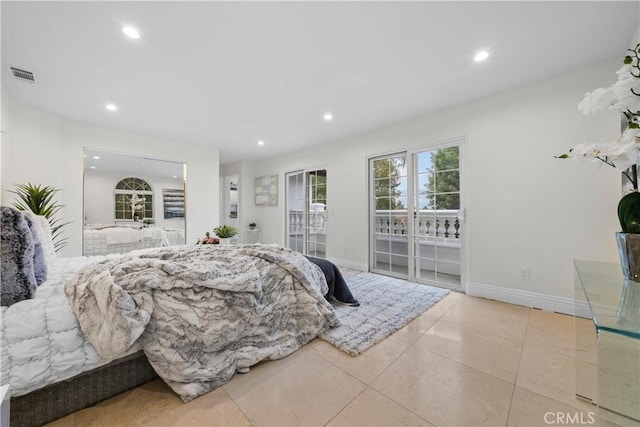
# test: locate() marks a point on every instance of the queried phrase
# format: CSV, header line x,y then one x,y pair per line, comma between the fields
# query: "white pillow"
x,y
47,242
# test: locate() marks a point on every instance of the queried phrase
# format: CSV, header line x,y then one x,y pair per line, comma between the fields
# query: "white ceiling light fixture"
x,y
327,117
96,157
481,56
111,107
261,143
131,32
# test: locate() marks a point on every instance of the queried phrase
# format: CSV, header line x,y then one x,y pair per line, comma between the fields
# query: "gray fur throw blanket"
x,y
16,258
202,312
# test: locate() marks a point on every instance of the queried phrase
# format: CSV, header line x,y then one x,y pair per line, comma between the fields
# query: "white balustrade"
x,y
433,223
317,222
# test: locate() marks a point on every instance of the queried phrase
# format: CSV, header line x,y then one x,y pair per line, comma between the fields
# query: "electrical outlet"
x,y
524,274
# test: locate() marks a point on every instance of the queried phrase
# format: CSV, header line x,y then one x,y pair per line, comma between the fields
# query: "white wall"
x,y
525,209
42,148
99,193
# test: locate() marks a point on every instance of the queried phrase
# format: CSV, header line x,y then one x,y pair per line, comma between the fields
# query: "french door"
x,y
306,210
416,222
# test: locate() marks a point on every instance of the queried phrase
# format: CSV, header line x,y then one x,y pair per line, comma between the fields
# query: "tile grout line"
x,y
414,342
515,381
347,404
239,408
368,385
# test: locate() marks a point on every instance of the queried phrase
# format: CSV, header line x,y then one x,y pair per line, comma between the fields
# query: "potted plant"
x,y
40,200
622,154
252,226
225,233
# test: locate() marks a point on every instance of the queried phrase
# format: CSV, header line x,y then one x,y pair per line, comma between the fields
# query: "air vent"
x,y
25,76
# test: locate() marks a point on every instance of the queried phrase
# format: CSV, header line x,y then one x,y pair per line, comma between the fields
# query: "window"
x,y
133,198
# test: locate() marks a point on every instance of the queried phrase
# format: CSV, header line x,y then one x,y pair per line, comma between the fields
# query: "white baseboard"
x,y
350,264
530,299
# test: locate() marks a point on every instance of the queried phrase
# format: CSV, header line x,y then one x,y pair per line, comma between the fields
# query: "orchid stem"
x,y
633,169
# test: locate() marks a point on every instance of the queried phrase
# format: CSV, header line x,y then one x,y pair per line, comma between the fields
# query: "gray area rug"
x,y
386,305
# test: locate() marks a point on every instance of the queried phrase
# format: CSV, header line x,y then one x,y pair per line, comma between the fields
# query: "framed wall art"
x,y
173,203
267,190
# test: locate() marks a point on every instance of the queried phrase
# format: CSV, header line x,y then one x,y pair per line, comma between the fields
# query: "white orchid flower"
x,y
598,100
623,153
624,88
622,96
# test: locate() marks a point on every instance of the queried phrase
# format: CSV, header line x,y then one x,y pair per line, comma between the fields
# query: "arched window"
x,y
133,198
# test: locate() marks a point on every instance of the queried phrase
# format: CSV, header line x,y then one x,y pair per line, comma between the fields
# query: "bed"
x,y
101,239
100,325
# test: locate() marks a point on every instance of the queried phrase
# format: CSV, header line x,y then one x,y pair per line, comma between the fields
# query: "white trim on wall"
x,y
350,264
530,299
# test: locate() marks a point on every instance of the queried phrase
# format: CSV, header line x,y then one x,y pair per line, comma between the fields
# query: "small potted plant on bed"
x,y
225,233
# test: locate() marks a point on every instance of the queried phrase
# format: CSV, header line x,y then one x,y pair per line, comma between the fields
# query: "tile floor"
x,y
465,362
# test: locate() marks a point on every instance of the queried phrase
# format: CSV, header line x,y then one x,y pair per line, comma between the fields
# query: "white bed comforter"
x,y
41,341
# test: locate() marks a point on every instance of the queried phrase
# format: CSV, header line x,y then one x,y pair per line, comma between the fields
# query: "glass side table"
x,y
608,355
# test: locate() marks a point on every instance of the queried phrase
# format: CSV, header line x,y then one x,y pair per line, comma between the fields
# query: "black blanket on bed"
x,y
338,289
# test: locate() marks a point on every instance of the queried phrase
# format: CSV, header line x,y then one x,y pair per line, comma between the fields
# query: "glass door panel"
x,y
436,237
295,202
317,213
306,204
389,219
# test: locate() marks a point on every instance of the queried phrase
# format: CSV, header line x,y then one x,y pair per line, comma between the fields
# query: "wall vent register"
x,y
23,75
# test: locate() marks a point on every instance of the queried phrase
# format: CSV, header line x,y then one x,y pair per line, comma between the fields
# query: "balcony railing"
x,y
317,222
429,223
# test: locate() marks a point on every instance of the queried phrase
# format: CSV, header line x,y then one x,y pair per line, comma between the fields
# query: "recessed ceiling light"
x,y
131,32
481,56
175,176
92,167
111,107
261,142
327,117
96,157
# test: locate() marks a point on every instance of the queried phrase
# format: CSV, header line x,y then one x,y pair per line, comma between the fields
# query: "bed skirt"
x,y
82,391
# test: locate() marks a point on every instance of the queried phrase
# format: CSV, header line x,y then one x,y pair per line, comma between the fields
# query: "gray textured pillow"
x,y
16,258
39,260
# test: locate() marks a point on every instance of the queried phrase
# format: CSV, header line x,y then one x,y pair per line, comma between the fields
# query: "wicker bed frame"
x,y
82,391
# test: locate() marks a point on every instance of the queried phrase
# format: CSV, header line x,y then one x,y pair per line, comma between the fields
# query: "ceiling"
x,y
228,74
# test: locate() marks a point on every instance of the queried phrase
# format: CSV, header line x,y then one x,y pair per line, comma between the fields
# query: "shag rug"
x,y
386,305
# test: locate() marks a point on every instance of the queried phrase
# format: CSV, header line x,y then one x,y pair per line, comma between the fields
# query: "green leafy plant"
x,y
252,225
40,200
225,231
